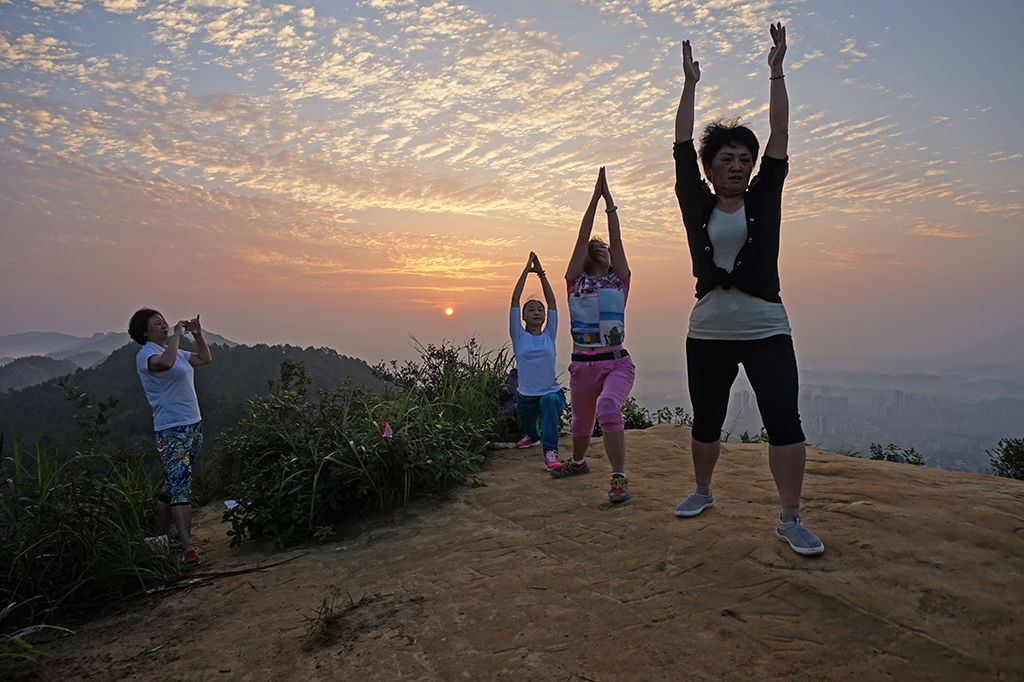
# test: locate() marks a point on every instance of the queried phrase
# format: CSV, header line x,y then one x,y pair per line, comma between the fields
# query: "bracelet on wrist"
x,y
775,78
613,209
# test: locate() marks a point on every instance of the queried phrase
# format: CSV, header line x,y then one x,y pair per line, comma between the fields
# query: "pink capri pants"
x,y
599,390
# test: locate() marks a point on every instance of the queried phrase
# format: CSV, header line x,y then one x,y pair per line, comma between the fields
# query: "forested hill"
x,y
33,370
236,375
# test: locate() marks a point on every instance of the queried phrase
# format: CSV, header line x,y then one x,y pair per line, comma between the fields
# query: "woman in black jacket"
x,y
739,318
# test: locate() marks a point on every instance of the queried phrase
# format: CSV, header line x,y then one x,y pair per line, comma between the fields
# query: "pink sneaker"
x,y
527,442
551,462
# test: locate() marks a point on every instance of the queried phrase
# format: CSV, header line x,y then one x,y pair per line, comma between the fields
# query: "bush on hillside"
x,y
895,453
759,437
635,416
306,465
1007,458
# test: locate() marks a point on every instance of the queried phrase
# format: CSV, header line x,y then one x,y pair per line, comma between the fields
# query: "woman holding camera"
x,y
166,372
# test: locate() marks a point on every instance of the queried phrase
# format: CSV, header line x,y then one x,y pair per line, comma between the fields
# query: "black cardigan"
x,y
756,270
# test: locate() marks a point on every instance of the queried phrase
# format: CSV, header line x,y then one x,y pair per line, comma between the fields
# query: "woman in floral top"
x,y
601,373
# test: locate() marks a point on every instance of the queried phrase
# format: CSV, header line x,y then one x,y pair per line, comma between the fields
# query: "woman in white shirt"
x,y
539,398
167,378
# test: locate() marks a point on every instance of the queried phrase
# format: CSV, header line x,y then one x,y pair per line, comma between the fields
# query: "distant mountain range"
x,y
31,358
237,375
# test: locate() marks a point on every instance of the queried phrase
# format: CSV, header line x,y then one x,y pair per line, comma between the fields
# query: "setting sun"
x,y
448,311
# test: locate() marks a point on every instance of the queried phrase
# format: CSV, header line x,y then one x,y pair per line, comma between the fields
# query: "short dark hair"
x,y
139,325
723,132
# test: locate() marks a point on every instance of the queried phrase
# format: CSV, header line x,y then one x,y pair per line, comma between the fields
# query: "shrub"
x,y
634,416
683,418
306,465
1007,458
894,453
760,437
679,416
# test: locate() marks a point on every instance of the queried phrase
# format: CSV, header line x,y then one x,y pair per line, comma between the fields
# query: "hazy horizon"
x,y
337,175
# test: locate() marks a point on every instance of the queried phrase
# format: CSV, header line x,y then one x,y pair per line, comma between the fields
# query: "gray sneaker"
x,y
799,538
695,504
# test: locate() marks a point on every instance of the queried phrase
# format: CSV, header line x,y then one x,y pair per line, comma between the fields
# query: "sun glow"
x,y
448,311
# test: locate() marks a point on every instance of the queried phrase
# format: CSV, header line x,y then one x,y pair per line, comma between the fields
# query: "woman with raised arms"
x,y
539,398
601,373
733,235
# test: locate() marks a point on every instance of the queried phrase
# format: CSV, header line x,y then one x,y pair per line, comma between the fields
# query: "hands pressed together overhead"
x,y
533,264
601,189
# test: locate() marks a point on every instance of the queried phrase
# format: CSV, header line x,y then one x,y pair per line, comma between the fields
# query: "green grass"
x,y
72,529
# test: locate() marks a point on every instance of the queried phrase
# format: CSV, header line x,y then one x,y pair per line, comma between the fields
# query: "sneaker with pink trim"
x,y
571,468
527,442
551,462
619,491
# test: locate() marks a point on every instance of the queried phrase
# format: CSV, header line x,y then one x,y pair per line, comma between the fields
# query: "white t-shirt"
x,y
731,314
535,355
171,394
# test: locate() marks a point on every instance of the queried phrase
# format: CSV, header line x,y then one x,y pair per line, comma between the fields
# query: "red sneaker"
x,y
191,558
571,468
620,489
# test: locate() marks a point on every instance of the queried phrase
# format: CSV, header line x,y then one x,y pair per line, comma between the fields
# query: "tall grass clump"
x,y
307,463
73,523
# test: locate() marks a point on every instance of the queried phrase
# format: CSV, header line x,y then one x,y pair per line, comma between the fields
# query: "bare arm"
x,y
579,252
549,295
517,293
778,102
615,248
684,115
202,355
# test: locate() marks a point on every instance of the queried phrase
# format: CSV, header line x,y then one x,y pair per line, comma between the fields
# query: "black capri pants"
x,y
770,364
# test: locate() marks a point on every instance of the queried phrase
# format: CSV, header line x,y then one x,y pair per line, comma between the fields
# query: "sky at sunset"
x,y
339,173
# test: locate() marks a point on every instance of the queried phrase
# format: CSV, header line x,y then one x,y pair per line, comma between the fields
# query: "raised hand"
x,y
691,69
605,191
599,186
537,267
778,50
532,265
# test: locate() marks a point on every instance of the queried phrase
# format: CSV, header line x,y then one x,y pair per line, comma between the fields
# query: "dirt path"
x,y
531,578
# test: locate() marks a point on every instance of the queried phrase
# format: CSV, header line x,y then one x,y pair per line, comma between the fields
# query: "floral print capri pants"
x,y
178,447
